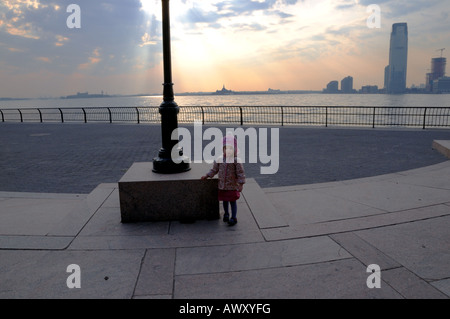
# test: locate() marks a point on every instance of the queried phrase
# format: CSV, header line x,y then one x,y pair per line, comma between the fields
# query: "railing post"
x,y
110,116
203,115
62,116
242,118
84,115
424,118
282,116
21,117
138,116
326,116
40,115
3,117
373,117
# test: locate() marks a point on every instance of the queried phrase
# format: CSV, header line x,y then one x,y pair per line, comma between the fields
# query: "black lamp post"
x,y
165,163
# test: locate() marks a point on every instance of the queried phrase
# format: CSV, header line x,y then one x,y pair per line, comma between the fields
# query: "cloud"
x,y
92,60
38,29
213,13
147,40
198,15
43,59
60,40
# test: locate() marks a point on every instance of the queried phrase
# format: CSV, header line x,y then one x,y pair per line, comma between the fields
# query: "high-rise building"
x,y
347,85
441,85
437,71
398,59
369,89
386,77
332,87
438,67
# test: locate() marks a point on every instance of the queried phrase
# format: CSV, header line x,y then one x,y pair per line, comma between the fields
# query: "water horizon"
x,y
304,99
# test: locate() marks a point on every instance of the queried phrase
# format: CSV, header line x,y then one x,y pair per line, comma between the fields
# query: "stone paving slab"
x,y
35,242
359,223
430,179
286,253
43,274
167,241
261,207
363,251
106,222
74,222
409,285
423,247
38,216
390,196
157,274
443,285
337,279
315,206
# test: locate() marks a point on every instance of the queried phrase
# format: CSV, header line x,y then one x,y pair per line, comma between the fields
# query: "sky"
x,y
245,44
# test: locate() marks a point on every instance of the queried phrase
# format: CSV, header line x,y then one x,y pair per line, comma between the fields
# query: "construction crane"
x,y
441,51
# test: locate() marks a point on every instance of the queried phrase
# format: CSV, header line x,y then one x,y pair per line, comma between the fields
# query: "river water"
x,y
318,99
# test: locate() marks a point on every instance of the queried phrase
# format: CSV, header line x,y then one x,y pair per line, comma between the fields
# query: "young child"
x,y
231,177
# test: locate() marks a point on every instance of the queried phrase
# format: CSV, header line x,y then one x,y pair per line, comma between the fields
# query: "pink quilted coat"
x,y
231,175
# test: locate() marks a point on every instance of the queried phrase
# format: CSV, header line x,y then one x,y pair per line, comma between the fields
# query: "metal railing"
x,y
364,116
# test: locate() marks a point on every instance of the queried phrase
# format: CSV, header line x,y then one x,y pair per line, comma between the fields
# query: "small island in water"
x,y
85,95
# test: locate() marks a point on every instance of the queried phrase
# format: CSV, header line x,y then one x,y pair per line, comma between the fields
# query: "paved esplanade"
x,y
302,235
75,158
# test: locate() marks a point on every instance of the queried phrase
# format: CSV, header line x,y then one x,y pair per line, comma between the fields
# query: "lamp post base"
x,y
168,166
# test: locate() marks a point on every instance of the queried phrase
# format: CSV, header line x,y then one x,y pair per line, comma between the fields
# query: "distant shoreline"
x,y
271,92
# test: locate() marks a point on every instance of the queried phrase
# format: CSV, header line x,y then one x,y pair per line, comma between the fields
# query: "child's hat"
x,y
230,140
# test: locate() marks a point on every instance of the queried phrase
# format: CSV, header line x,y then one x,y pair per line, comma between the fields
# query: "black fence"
x,y
373,116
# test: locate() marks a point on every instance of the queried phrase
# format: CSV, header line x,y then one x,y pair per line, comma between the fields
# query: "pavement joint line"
x,y
384,213
92,215
374,248
139,272
417,185
295,231
174,274
420,279
265,268
393,287
383,255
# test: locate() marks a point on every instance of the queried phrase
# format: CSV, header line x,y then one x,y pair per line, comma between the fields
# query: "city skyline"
x,y
250,45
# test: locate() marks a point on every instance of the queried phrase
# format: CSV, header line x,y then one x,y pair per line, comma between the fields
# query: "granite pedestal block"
x,y
148,196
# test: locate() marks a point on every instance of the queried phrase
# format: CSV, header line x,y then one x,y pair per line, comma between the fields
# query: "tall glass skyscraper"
x,y
395,79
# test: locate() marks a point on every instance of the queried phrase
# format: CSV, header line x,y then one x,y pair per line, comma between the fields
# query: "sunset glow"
x,y
244,44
